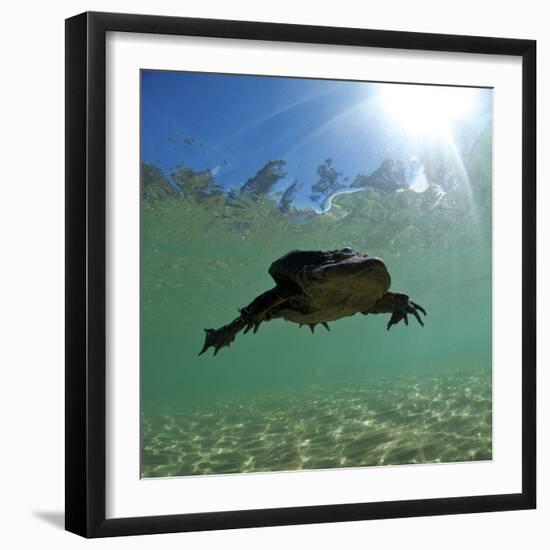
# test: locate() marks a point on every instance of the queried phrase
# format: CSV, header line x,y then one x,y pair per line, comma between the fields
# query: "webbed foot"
x,y
403,306
222,337
250,318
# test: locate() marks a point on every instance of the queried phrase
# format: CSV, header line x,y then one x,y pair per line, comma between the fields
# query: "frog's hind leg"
x,y
250,317
262,308
222,337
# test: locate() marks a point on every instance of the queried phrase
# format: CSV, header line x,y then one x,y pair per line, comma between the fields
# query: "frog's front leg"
x,y
399,305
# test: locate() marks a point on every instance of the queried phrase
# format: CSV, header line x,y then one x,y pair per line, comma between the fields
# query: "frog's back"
x,y
288,266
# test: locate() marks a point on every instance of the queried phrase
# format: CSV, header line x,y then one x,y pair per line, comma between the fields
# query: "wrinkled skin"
x,y
315,287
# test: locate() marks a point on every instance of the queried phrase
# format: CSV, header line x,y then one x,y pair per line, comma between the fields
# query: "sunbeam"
x,y
425,110
278,112
325,126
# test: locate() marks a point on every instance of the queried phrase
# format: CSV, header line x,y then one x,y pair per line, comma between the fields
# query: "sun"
x,y
426,110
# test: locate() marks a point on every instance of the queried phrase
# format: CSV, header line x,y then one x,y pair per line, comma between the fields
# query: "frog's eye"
x,y
347,250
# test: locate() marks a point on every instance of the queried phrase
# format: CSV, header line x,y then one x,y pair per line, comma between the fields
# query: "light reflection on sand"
x,y
443,418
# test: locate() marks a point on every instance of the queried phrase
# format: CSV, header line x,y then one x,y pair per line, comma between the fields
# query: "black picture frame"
x,y
86,274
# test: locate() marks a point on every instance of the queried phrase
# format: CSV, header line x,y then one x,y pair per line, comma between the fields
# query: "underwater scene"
x,y
369,347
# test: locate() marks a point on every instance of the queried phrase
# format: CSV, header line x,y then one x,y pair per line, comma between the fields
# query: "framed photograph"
x,y
300,274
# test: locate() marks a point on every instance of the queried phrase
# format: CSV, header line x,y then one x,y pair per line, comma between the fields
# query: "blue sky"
x,y
234,124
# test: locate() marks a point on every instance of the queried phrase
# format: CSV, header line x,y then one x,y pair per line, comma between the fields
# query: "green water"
x,y
284,399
